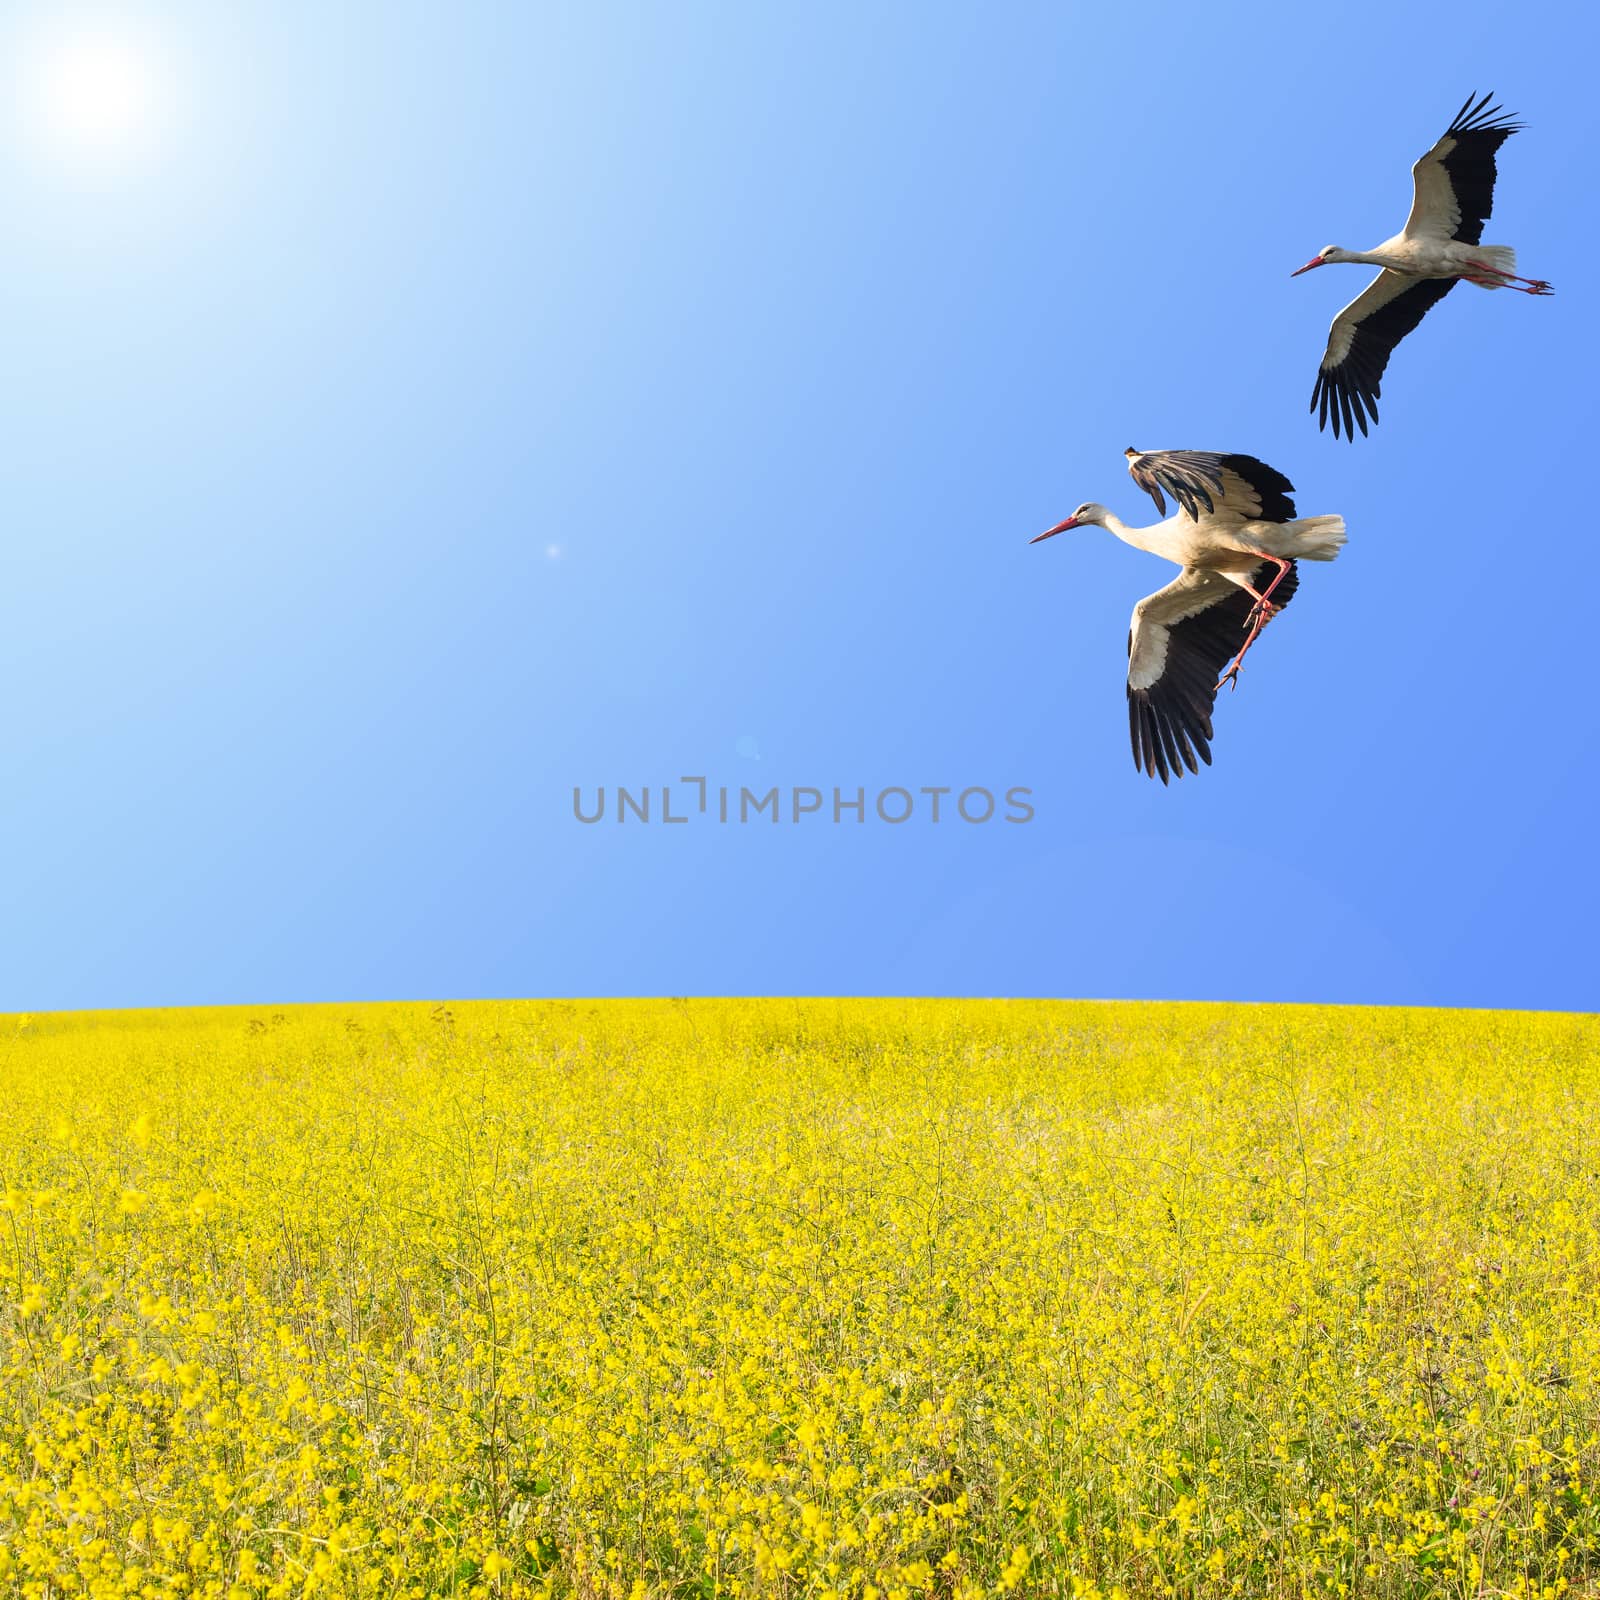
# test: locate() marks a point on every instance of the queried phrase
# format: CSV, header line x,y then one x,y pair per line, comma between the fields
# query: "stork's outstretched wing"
x,y
1360,342
1206,482
1180,640
1454,182
1192,477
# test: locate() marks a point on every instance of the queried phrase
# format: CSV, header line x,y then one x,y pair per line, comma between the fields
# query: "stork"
x,y
1236,538
1439,245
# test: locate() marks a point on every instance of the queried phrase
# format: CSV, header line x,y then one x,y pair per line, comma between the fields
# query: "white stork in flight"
x,y
1237,539
1454,190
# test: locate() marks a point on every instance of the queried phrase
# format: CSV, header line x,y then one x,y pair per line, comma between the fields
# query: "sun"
x,y
96,96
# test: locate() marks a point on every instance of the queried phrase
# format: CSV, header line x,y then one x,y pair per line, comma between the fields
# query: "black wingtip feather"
x,y
1481,117
1191,477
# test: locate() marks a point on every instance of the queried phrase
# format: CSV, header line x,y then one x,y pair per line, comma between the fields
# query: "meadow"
x,y
775,1297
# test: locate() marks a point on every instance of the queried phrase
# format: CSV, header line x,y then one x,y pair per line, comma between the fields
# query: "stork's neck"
x,y
1140,538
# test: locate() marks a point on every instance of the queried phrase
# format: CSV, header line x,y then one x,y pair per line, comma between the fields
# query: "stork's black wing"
x,y
1454,182
1192,477
1207,482
1360,342
1181,638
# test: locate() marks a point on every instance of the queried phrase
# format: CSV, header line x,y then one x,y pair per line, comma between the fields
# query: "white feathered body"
x,y
1424,256
1232,544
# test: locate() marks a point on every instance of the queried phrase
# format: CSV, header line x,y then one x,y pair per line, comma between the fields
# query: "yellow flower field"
x,y
877,1298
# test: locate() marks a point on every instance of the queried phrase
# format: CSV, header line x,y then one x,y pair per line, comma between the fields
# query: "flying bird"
x,y
1237,539
1439,245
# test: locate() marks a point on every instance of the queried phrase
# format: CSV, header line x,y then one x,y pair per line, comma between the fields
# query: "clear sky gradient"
x,y
458,404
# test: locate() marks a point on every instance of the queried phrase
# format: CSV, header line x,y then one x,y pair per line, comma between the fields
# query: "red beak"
x,y
1060,527
1315,261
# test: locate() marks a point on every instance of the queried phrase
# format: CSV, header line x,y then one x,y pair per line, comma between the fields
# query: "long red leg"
x,y
1283,567
1231,676
1261,615
1509,280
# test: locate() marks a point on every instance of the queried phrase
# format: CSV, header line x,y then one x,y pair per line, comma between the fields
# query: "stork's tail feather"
x,y
1318,538
1500,256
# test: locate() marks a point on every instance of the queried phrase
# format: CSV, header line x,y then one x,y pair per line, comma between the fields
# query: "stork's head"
x,y
1089,511
1329,252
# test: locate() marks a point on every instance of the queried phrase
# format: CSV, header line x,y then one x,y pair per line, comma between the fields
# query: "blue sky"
x,y
457,405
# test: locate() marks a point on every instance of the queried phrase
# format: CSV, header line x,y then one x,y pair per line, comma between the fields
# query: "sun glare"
x,y
96,96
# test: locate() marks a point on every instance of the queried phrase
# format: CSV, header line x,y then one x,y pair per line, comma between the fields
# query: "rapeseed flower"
x,y
858,1298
